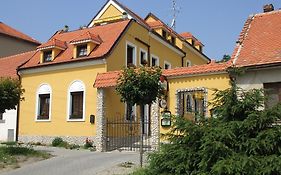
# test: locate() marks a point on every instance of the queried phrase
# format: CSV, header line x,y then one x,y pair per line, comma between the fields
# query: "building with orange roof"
x,y
258,52
70,80
13,41
8,68
60,99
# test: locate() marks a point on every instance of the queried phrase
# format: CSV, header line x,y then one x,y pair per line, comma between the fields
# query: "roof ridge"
x,y
8,57
268,13
241,38
10,31
89,28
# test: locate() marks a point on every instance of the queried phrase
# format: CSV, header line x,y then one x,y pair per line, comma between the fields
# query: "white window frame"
x,y
134,54
144,51
134,112
2,120
75,86
43,89
189,63
167,63
156,57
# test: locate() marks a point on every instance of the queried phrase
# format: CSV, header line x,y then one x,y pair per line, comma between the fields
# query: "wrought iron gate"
x,y
125,135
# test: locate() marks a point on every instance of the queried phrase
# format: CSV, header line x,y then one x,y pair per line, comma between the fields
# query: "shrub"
x,y
242,140
88,143
57,142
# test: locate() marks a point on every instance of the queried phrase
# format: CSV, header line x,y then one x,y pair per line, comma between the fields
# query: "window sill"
x,y
42,120
2,121
75,120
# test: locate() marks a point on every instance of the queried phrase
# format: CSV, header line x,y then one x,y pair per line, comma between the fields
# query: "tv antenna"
x,y
176,10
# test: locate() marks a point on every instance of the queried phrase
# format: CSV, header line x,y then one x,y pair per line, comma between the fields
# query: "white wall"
x,y
9,122
256,78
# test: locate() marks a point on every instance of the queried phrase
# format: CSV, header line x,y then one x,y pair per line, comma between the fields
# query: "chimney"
x,y
268,8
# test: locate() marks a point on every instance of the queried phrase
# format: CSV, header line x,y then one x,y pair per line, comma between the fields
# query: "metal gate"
x,y
126,135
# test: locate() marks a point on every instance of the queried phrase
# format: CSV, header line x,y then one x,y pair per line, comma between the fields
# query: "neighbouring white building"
x,y
258,52
8,120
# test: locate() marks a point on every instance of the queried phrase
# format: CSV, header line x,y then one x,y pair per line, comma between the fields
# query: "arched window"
x,y
43,105
76,101
188,63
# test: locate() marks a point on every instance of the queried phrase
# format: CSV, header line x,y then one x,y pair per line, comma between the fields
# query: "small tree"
x,y
139,86
10,93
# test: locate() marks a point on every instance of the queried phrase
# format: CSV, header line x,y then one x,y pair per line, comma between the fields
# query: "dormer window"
x,y
82,50
173,40
164,34
192,42
47,56
51,49
85,44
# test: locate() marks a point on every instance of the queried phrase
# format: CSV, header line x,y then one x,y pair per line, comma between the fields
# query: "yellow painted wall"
x,y
111,11
116,60
193,57
59,82
220,81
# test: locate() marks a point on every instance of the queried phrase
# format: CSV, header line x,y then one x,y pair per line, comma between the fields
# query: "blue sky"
x,y
216,23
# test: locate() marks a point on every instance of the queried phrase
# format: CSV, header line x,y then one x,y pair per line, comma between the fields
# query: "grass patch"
x,y
10,156
9,143
140,171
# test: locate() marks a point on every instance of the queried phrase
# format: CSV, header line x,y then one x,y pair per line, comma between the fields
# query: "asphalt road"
x,y
75,162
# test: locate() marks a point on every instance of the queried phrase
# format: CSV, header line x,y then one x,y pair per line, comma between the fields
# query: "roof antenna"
x,y
176,10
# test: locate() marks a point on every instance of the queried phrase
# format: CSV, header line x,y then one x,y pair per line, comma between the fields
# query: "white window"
x,y
130,54
188,63
43,105
167,65
154,60
81,50
1,116
143,57
47,56
130,112
76,101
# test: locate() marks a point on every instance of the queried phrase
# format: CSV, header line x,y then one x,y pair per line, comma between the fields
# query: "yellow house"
x,y
60,99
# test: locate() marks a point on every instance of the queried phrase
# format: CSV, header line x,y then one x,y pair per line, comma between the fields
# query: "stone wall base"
x,y
79,140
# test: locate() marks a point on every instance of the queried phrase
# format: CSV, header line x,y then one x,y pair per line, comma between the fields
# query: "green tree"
x,y
10,93
139,86
242,139
225,58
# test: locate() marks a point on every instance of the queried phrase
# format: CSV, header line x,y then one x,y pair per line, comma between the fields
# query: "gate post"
x,y
100,121
155,125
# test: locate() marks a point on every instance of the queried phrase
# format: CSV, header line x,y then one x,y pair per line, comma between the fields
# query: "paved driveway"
x,y
76,162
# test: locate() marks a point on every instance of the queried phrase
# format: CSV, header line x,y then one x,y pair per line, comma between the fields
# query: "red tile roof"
x,y
197,69
87,36
109,34
260,40
109,79
9,65
7,30
53,43
186,35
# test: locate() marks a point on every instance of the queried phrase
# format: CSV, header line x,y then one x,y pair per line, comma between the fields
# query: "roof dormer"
x,y
192,40
51,49
198,45
85,44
